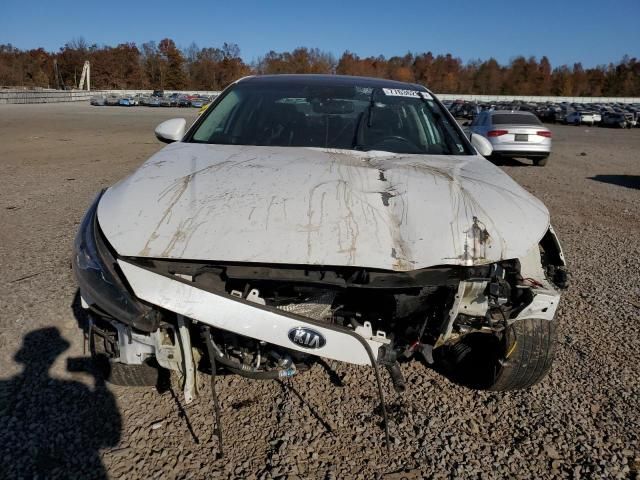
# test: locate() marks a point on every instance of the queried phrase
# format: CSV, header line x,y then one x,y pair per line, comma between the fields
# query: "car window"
x,y
218,118
331,116
515,119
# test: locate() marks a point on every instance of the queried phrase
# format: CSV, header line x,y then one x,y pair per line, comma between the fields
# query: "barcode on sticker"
x,y
398,92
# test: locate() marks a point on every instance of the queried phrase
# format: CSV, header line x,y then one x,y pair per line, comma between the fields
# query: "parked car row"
x,y
617,115
515,129
157,99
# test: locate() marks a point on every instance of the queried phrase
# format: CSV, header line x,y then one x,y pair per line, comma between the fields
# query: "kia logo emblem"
x,y
306,338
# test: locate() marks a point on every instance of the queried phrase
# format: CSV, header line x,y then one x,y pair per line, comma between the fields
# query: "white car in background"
x,y
581,117
514,134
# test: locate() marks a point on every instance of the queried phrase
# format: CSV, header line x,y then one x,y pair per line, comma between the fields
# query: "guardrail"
x,y
54,96
149,92
43,96
537,99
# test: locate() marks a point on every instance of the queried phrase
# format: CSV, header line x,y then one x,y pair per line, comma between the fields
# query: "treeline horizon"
x,y
162,65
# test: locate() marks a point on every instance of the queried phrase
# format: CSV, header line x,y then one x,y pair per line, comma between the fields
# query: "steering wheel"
x,y
397,138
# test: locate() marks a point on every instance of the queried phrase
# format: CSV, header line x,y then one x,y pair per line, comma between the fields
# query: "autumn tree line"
x,y
163,65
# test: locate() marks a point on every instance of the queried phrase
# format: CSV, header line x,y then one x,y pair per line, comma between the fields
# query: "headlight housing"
x,y
100,281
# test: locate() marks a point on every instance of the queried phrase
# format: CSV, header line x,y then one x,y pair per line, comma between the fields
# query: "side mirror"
x,y
171,130
481,144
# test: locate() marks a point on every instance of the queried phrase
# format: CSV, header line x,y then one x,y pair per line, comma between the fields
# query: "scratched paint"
x,y
320,207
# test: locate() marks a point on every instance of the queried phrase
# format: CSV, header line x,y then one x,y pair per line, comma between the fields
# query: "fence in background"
x,y
537,99
149,92
43,96
54,96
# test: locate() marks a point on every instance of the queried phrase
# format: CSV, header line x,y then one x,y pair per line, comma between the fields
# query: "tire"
x,y
485,362
540,162
529,348
145,375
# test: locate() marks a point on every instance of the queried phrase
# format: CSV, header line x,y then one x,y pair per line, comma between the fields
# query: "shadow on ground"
x,y
52,428
509,162
629,181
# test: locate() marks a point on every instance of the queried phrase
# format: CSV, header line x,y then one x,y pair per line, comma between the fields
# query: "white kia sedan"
x,y
306,216
514,134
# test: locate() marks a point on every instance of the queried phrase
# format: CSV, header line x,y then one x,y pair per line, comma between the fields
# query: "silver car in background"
x,y
514,134
98,100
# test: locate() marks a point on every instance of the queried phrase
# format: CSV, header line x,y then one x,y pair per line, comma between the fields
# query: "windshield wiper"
x,y
357,138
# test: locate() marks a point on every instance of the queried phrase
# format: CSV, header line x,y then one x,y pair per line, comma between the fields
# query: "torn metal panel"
x,y
189,373
471,300
543,306
531,267
545,297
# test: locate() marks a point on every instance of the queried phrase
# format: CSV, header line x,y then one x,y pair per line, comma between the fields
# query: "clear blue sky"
x,y
567,31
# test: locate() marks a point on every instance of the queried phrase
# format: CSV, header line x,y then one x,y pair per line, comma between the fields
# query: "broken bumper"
x,y
253,320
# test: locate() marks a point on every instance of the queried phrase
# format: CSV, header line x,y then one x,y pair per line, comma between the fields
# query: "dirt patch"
x,y
583,420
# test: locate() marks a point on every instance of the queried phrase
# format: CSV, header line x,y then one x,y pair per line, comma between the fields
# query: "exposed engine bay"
x,y
399,314
266,321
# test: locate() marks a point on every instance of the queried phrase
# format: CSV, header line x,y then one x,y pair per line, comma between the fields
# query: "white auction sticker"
x,y
398,92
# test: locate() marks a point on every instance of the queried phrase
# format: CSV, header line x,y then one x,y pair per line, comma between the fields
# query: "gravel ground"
x,y
57,419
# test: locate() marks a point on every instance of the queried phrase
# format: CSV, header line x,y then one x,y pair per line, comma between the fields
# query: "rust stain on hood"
x,y
321,207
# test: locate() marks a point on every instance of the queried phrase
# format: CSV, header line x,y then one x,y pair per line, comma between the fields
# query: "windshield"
x,y
331,116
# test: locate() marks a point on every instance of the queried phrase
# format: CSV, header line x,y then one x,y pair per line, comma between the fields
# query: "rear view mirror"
x,y
481,144
329,92
171,130
335,107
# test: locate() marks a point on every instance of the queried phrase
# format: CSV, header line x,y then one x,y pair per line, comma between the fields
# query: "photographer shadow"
x,y
53,428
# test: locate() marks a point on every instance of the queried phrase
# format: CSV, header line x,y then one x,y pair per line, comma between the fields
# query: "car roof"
x,y
337,80
509,112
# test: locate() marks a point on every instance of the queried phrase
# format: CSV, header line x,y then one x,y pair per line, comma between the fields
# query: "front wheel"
x,y
518,360
146,374
529,348
540,162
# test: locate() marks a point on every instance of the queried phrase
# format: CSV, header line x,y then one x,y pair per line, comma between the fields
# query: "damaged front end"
x,y
270,321
342,313
100,281
263,312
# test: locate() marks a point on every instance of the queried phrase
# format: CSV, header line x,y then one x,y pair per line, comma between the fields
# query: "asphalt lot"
x,y
582,421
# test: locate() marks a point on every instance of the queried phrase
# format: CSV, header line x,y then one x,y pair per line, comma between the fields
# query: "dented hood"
x,y
320,207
